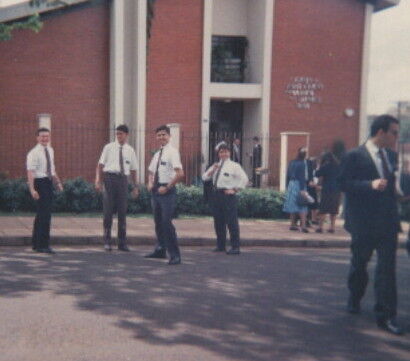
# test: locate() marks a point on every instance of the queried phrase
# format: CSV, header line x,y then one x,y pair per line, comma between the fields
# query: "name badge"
x,y
163,163
226,174
127,161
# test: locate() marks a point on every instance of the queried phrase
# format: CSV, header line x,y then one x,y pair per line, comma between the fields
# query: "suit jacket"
x,y
368,212
257,156
236,153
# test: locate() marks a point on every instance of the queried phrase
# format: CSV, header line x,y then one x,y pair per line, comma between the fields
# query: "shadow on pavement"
x,y
264,305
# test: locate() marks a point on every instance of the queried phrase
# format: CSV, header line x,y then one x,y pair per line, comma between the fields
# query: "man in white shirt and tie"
x,y
41,173
228,178
117,162
164,172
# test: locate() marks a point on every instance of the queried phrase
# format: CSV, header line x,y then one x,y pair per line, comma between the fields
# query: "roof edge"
x,y
23,10
384,4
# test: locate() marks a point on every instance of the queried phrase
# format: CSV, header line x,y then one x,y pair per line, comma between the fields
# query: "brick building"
x,y
292,72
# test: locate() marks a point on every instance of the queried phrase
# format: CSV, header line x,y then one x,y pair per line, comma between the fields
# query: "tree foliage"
x,y
32,23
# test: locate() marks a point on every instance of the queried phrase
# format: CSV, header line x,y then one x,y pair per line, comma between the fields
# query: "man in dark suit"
x,y
256,162
367,177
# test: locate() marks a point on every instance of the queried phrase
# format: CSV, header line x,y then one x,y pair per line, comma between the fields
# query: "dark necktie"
x,y
218,173
49,175
156,176
386,170
121,162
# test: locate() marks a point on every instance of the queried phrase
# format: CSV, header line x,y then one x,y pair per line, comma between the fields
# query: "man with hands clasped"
x,y
41,174
117,162
228,178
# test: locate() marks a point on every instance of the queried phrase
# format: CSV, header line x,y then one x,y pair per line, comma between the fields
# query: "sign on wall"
x,y
304,91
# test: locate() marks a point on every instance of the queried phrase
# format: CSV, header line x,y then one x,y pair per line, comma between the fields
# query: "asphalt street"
x,y
268,304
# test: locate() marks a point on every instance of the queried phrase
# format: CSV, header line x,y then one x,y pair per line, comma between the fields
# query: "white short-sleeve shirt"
x,y
170,160
110,158
37,161
231,176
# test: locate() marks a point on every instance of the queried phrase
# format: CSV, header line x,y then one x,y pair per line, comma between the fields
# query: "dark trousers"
x,y
115,199
163,207
225,212
41,228
256,179
385,275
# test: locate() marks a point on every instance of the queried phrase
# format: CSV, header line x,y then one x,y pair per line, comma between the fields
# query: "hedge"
x,y
79,196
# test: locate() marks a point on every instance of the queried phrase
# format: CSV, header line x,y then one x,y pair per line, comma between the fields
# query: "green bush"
x,y
260,203
191,200
80,196
15,196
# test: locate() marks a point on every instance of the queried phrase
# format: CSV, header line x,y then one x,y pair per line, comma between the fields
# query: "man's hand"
x,y
98,186
149,187
35,194
135,193
60,187
162,190
229,191
379,184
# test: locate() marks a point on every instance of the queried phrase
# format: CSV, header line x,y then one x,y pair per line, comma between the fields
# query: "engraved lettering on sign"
x,y
304,91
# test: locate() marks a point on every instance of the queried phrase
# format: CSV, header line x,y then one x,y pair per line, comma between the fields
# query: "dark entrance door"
x,y
226,124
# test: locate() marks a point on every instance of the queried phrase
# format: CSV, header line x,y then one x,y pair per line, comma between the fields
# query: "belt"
x,y
115,174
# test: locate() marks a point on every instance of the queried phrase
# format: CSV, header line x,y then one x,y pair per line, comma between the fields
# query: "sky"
x,y
389,73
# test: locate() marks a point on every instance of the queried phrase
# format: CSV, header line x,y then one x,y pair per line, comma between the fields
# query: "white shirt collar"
x,y
120,145
40,146
371,147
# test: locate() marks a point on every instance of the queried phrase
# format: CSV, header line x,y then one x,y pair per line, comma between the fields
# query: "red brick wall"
x,y
63,70
320,39
174,73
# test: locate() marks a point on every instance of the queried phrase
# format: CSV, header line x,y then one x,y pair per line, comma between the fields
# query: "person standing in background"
x,y
256,162
236,151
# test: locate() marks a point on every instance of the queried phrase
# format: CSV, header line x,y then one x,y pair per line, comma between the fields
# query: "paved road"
x,y
267,304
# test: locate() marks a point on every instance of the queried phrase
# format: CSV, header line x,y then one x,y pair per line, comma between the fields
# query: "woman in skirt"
x,y
331,195
296,187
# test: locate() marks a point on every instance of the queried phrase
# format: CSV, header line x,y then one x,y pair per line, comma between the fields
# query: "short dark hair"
x,y
223,146
122,128
382,122
302,151
256,139
42,129
163,128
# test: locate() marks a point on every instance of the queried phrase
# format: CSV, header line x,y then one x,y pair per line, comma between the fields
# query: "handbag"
x,y
304,199
208,189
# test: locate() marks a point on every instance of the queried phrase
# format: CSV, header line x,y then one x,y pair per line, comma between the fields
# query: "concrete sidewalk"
x,y
71,230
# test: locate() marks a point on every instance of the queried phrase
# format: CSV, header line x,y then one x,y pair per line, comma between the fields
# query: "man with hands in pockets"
x,y
228,178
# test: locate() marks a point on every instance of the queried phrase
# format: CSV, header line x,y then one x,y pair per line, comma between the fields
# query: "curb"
x,y
183,241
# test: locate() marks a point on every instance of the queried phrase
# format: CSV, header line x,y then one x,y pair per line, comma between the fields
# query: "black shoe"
x,y
158,253
217,249
391,326
174,260
107,247
123,247
304,230
233,251
353,306
45,250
